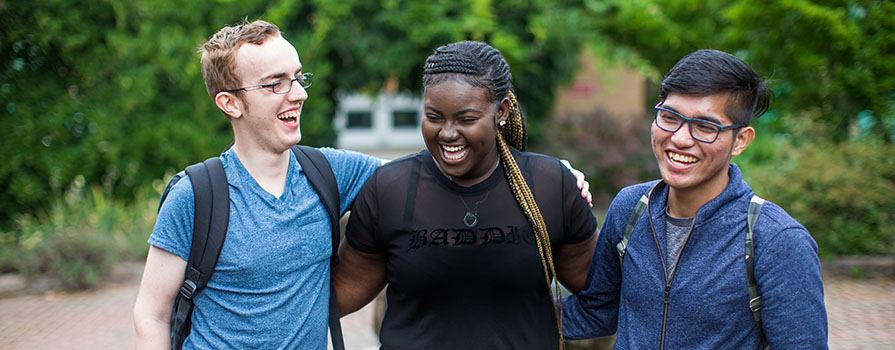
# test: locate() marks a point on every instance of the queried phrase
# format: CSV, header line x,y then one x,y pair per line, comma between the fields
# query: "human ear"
x,y
228,103
503,110
743,139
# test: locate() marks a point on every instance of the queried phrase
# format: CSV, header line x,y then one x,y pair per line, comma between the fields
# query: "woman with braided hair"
x,y
469,232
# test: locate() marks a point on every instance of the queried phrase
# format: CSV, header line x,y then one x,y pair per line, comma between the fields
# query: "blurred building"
x,y
601,89
387,125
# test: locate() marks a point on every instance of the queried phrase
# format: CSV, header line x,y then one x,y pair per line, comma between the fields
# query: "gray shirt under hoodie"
x,y
676,230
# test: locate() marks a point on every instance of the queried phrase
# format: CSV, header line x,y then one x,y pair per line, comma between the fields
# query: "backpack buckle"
x,y
187,289
755,304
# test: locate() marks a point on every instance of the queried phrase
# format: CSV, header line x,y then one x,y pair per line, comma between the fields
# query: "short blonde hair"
x,y
219,53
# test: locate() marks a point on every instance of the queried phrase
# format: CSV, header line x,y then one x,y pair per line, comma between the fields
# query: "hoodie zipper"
x,y
668,280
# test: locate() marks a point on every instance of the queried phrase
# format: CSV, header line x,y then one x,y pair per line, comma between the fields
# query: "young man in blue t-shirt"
x,y
679,282
270,287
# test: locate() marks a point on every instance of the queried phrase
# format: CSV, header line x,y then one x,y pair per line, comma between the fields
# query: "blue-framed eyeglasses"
x,y
700,130
280,87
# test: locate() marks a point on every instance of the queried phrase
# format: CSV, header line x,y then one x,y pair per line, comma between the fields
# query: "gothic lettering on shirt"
x,y
417,239
439,237
463,237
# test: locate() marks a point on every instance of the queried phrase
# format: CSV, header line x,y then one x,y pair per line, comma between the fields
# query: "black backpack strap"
x,y
622,246
321,177
210,221
754,297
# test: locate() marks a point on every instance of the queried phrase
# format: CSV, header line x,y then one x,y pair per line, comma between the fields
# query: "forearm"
x,y
161,282
358,278
583,319
593,311
572,261
153,332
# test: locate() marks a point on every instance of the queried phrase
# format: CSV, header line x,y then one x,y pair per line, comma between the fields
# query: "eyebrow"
x,y
279,75
698,117
461,112
468,110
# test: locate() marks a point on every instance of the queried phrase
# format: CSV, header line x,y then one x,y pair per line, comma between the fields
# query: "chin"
x,y
295,138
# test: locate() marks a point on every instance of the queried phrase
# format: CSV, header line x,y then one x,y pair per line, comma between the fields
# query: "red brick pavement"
x,y
861,313
861,316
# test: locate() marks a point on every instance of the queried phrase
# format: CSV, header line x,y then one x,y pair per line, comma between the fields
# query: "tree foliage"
x,y
111,92
831,59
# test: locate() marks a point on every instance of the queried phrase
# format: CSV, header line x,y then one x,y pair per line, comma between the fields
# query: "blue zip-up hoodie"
x,y
704,305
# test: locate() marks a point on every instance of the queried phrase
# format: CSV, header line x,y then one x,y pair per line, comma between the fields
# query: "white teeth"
x,y
453,152
288,115
453,148
681,158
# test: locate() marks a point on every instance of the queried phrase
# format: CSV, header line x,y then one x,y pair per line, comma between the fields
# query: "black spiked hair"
x,y
707,72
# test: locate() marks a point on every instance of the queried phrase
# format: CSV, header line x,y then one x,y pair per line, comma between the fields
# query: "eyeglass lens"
x,y
285,85
700,130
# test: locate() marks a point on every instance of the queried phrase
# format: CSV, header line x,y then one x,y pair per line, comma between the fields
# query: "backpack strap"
x,y
321,177
754,297
622,246
210,221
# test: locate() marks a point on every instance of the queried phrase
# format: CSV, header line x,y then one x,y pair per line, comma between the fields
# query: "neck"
x,y
685,202
470,182
269,169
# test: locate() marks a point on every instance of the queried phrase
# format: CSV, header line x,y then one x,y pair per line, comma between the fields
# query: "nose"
x,y
682,136
448,131
297,92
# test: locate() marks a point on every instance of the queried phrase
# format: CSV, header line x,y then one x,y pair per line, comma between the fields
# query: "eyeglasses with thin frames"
x,y
700,130
280,87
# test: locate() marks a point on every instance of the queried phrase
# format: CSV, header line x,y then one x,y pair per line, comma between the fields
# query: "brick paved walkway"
x,y
861,313
861,316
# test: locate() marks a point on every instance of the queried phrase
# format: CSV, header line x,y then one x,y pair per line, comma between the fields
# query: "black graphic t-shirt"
x,y
451,286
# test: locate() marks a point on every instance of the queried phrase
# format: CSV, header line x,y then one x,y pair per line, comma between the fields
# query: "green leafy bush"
x,y
841,192
80,238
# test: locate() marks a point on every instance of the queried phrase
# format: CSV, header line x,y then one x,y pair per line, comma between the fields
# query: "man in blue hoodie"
x,y
679,280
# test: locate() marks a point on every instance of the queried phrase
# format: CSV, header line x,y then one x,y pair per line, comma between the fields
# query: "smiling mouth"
x,y
453,153
289,116
680,158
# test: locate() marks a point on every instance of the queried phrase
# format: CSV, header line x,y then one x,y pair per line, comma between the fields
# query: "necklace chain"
x,y
471,218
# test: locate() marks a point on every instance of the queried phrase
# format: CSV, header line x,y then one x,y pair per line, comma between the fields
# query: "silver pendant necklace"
x,y
470,219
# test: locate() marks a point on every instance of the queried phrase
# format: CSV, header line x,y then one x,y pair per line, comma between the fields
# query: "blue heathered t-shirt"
x,y
270,288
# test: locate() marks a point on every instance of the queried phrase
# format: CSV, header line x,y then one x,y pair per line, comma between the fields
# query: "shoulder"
x,y
537,160
346,157
628,197
775,225
174,224
543,168
398,169
625,201
179,194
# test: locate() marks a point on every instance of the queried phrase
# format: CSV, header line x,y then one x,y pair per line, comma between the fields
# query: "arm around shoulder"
x,y
593,311
358,277
161,282
572,261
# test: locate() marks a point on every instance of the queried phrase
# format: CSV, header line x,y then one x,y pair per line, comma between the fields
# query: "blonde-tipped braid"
x,y
513,133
